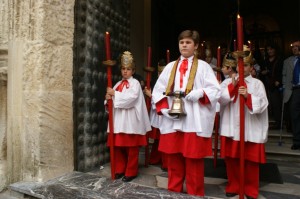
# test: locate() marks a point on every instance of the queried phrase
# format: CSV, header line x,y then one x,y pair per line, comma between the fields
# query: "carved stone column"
x,y
3,118
39,97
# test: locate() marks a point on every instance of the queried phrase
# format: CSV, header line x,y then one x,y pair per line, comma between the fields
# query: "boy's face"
x,y
187,47
225,70
126,72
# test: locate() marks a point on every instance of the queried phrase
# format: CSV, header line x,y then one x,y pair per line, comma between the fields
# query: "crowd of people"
x,y
182,140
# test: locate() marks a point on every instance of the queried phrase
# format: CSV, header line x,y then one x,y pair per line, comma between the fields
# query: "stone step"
x,y
278,146
150,183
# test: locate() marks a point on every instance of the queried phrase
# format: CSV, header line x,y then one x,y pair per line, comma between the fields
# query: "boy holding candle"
x,y
256,129
229,66
131,120
187,139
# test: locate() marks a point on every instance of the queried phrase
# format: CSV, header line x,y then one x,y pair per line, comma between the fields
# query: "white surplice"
x,y
256,120
155,119
130,112
200,117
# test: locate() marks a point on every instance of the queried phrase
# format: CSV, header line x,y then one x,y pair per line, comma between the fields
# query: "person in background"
x,y
256,129
212,61
256,69
271,75
295,105
131,120
287,78
156,157
187,138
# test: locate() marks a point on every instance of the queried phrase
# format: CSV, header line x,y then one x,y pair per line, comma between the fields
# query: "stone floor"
x,y
152,181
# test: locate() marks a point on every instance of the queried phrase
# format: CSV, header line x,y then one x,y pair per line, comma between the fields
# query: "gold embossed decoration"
x,y
127,60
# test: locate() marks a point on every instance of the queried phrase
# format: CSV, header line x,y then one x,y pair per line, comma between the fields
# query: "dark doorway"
x,y
215,21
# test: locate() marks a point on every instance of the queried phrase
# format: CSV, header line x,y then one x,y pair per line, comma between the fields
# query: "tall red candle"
x,y
148,101
110,107
107,46
234,45
250,45
217,117
168,56
240,41
202,51
240,34
219,62
219,56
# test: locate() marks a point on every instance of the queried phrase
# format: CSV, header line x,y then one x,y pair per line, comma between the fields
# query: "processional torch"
x,y
109,63
148,70
217,117
240,41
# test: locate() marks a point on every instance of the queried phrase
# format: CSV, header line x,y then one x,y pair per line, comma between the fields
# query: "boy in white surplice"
x,y
256,129
131,120
187,139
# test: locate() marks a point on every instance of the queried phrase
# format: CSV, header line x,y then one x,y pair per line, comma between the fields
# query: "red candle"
x,y
107,46
250,45
219,57
240,41
219,62
202,51
168,56
149,57
110,107
240,35
234,45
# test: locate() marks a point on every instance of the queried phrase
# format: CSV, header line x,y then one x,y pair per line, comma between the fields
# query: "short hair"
x,y
193,34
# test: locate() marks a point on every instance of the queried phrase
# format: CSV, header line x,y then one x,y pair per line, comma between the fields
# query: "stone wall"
x,y
39,40
3,118
3,92
36,101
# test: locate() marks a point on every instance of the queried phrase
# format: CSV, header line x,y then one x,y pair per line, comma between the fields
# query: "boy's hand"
x,y
234,81
165,113
195,95
243,91
110,91
147,92
107,96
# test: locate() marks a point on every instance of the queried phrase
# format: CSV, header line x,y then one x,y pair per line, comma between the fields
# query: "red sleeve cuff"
x,y
231,90
204,99
163,103
249,102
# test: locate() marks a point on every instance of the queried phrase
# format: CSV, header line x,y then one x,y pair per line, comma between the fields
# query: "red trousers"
x,y
251,177
126,160
189,169
157,157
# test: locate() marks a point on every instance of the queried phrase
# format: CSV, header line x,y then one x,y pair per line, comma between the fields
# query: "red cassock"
x,y
130,125
187,140
256,128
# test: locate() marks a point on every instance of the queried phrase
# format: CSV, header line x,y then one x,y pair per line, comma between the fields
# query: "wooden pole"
x,y
109,63
240,41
